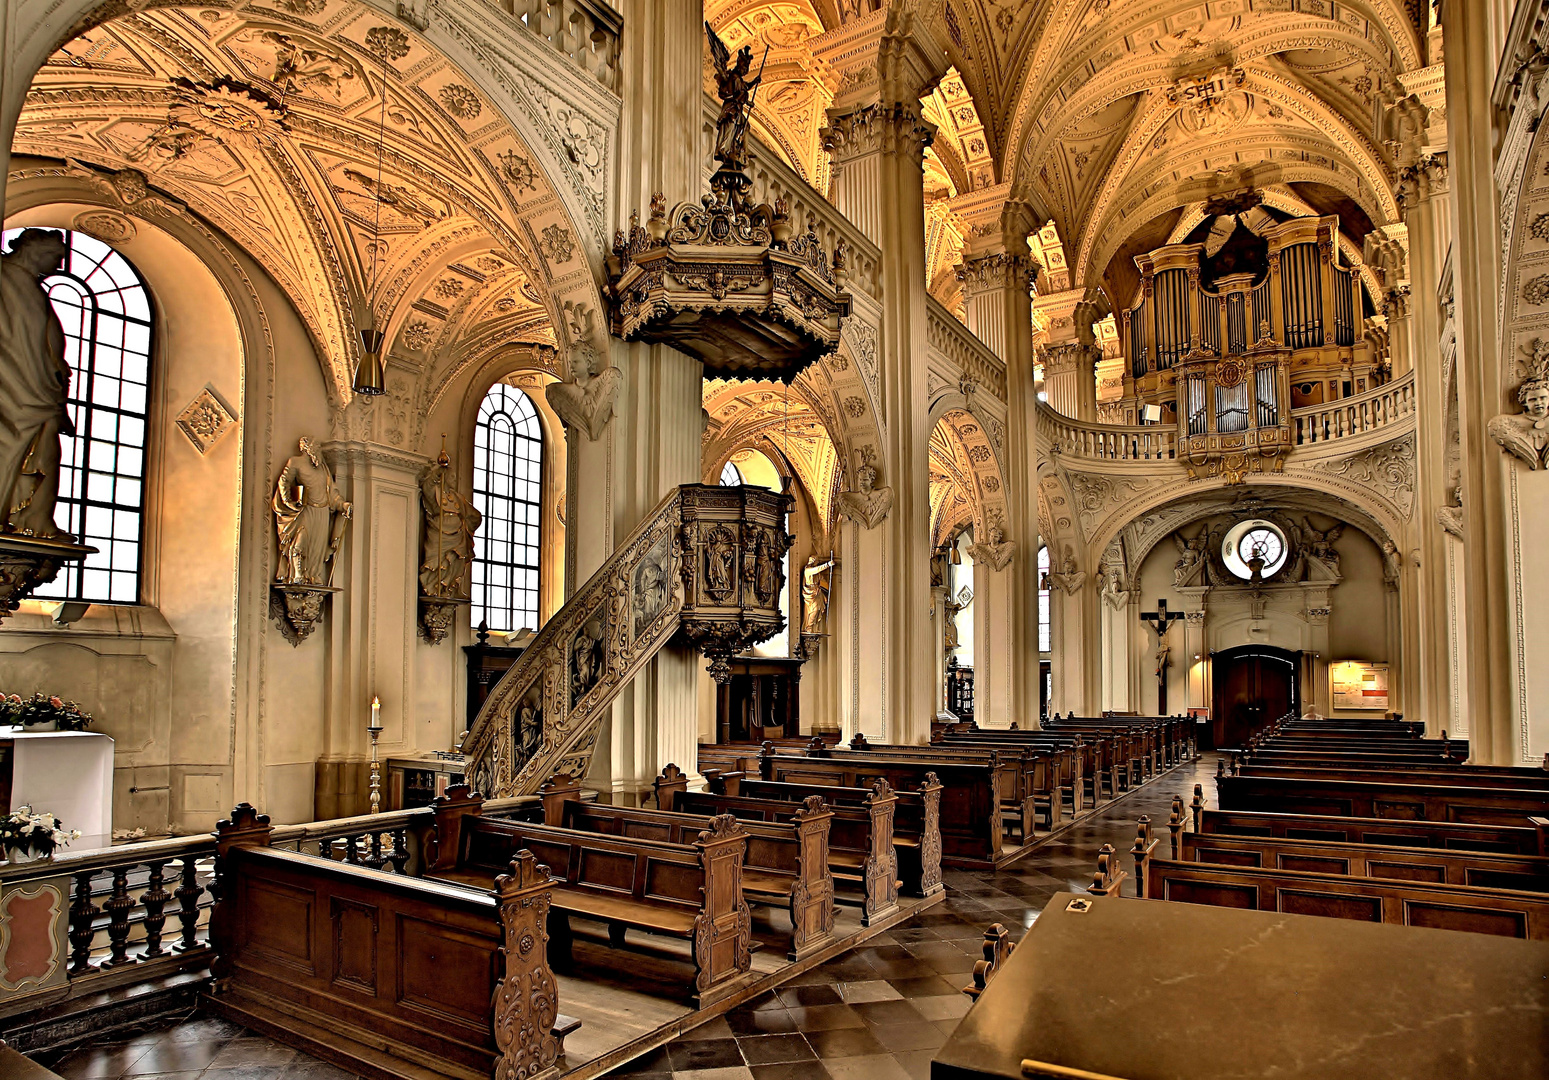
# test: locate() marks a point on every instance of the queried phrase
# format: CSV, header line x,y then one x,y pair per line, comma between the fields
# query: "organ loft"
x,y
746,539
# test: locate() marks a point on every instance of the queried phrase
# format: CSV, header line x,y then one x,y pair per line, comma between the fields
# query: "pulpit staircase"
x,y
704,568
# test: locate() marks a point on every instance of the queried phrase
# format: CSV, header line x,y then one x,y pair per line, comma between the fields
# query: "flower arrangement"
x,y
33,835
42,711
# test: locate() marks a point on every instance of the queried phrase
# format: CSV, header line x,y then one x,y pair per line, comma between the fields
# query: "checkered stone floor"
x,y
877,1013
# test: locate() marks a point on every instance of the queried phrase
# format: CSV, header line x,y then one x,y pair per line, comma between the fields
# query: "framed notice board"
x,y
1356,684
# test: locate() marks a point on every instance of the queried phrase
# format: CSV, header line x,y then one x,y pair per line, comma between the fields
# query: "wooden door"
x,y
1254,684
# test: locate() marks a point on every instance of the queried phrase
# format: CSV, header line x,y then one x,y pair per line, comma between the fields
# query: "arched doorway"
x,y
1253,684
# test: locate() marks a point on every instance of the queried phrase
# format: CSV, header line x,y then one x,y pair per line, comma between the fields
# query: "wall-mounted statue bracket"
x,y
27,562
297,609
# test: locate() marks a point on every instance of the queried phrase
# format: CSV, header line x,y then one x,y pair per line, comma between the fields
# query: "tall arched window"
x,y
1043,601
106,313
508,491
731,476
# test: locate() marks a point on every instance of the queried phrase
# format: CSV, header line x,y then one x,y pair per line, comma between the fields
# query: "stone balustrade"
x,y
1107,442
586,31
1361,414
957,343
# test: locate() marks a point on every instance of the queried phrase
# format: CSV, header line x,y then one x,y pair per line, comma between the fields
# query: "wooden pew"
x,y
1407,903
691,890
916,819
1084,761
860,839
350,964
1532,839
1528,873
1028,781
1426,801
786,864
1472,776
970,820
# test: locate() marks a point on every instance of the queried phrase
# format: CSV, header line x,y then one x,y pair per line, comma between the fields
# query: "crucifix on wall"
x,y
1161,621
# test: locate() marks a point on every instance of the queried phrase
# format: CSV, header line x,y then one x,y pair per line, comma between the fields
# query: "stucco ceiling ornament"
x,y
1525,435
228,110
105,225
205,420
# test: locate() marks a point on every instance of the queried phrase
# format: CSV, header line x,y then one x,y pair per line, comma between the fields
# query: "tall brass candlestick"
x,y
375,729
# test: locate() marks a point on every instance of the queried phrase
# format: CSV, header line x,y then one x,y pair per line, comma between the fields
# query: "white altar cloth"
x,y
68,774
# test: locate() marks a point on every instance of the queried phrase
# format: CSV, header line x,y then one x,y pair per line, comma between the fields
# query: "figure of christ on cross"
x,y
1161,621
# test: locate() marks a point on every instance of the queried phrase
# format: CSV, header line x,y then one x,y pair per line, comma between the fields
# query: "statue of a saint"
x,y
586,401
867,505
450,522
311,517
766,570
950,608
735,87
720,562
816,581
1525,435
34,383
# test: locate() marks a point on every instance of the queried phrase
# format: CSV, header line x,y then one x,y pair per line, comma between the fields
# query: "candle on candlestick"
x,y
375,730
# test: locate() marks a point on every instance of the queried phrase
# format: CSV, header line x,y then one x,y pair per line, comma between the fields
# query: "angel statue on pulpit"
x,y
735,87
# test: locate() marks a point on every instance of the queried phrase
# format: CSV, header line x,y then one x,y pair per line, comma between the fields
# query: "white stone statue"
x,y
1525,435
34,383
868,504
1189,570
816,583
586,401
1322,561
450,521
996,552
1067,579
311,517
1114,592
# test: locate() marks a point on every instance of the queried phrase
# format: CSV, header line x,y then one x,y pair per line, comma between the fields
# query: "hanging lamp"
x,y
370,378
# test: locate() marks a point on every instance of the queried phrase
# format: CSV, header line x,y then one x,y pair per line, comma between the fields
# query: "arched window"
x,y
106,313
508,491
1043,601
731,476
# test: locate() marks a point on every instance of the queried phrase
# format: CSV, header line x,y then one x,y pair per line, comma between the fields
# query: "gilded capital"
x,y
998,271
894,129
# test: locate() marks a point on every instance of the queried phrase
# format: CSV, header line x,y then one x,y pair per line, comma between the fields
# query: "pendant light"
x,y
370,378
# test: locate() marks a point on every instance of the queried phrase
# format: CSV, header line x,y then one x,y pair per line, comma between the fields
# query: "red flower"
x,y
56,703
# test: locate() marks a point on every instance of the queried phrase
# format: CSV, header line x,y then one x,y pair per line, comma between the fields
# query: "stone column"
x,y
997,278
1117,619
878,151
653,443
1415,323
1482,390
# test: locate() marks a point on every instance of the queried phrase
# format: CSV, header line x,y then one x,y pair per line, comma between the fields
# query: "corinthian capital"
x,y
1425,179
897,129
998,271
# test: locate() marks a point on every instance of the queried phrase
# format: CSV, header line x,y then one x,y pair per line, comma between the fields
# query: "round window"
x,y
1254,544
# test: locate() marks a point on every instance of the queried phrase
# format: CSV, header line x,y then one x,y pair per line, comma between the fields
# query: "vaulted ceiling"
x,y
266,122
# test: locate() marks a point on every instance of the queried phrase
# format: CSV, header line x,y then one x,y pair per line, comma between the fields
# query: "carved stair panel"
x,y
705,568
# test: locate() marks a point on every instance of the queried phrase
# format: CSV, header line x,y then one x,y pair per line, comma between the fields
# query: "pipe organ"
x,y
1228,364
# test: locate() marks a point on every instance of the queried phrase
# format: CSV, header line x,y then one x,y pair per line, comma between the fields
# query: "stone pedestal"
x,y
27,562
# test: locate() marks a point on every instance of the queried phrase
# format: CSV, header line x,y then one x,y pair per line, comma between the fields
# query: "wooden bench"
x,y
1527,873
1532,839
785,866
1406,903
1351,798
916,819
860,839
1469,776
690,890
1082,762
1028,781
970,820
350,964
